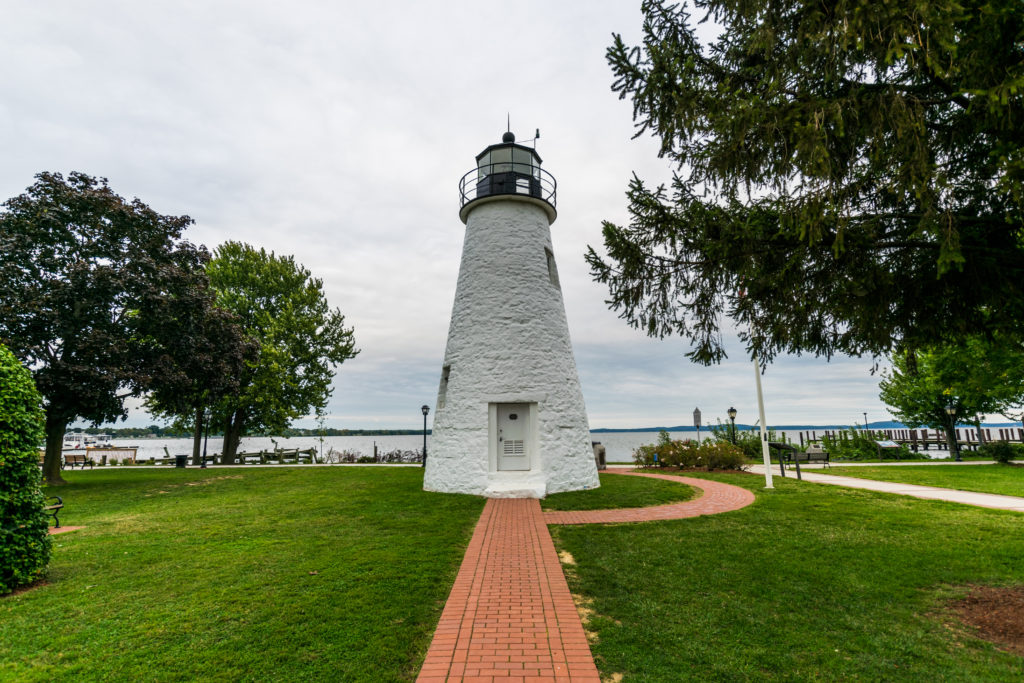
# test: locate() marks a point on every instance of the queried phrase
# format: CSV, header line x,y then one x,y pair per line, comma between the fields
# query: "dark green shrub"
x,y
643,456
678,453
1000,451
688,454
24,539
722,456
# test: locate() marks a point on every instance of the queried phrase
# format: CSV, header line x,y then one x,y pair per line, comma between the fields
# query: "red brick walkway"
x,y
717,498
510,616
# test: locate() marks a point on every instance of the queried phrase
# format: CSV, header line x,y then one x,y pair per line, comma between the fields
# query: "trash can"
x,y
599,455
180,460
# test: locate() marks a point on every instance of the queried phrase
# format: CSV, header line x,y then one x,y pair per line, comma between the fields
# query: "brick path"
x,y
510,616
717,498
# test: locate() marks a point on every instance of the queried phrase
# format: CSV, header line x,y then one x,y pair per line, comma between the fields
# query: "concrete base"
x,y
515,485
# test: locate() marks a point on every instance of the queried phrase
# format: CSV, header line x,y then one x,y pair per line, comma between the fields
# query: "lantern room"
x,y
504,169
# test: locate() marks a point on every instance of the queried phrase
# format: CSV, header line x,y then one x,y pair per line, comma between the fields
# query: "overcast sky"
x,y
338,131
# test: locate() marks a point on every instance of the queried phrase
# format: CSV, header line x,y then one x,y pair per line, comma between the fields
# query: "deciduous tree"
x,y
300,339
85,277
977,377
202,363
849,175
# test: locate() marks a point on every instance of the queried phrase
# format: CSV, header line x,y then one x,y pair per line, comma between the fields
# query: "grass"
x,y
618,491
810,582
1002,479
240,574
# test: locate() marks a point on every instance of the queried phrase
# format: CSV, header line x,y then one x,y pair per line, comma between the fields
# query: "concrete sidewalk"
x,y
985,500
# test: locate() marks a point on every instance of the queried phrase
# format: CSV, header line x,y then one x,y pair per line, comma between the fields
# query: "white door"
x,y
512,436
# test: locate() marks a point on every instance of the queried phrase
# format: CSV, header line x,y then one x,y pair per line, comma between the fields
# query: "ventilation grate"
x,y
513,447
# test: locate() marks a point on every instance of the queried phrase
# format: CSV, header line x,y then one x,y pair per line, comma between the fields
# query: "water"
x,y
618,445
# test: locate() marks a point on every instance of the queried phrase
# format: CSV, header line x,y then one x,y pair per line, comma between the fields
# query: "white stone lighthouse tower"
x,y
510,420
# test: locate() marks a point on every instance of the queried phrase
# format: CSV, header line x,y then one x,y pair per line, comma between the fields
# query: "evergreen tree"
x,y
849,175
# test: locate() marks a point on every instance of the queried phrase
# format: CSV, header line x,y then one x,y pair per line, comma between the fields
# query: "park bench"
x,y
54,508
789,455
814,453
255,458
80,459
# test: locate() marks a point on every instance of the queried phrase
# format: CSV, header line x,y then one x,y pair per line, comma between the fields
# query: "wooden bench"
x,y
817,455
54,508
80,459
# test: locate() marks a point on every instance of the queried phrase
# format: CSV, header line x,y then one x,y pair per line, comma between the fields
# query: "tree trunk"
x,y
951,444
55,427
197,437
232,436
977,428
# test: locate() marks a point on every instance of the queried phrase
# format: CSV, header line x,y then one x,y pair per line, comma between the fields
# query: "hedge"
x,y
24,538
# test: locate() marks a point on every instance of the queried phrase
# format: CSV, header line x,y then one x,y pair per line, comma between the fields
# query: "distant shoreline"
x,y
142,433
797,428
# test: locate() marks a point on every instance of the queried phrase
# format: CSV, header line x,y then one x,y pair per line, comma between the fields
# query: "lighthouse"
x,y
510,420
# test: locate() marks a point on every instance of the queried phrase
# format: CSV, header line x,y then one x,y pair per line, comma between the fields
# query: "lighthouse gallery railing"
x,y
488,180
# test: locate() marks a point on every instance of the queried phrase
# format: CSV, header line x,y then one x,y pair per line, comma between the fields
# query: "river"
x,y
619,445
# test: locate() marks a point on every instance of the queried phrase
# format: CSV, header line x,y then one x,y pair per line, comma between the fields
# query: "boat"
x,y
80,440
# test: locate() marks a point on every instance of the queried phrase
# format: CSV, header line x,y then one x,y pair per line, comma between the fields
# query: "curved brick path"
x,y
510,616
717,497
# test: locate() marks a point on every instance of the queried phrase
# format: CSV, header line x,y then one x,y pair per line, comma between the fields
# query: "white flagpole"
x,y
764,433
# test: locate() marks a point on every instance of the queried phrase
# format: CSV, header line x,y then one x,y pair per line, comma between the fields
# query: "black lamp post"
x,y
865,422
732,418
426,410
954,447
206,436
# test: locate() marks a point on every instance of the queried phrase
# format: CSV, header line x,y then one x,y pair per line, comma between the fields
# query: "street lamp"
x,y
732,418
953,445
696,422
865,421
425,409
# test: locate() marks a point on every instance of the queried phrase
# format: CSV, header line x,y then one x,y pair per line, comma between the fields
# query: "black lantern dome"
x,y
507,170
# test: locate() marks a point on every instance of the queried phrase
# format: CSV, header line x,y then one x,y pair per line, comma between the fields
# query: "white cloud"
x,y
337,132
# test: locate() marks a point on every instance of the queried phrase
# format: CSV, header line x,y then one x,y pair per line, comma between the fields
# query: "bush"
x,y
856,444
688,454
24,538
722,456
1000,451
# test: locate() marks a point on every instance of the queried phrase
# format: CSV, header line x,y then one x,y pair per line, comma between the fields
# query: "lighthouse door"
x,y
513,420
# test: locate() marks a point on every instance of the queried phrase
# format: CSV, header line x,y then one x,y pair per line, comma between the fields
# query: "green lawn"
x,y
285,574
808,583
620,491
1002,479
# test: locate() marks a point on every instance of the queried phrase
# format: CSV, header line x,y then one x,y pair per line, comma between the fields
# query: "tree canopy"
x,y
849,175
978,377
87,282
283,310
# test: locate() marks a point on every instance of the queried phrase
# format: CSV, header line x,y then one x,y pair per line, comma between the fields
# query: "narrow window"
x,y
445,371
552,270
